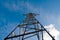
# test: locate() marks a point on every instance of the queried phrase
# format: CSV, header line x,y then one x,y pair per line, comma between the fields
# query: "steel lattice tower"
x,y
29,28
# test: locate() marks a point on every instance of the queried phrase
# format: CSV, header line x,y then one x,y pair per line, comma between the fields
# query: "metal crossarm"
x,y
29,26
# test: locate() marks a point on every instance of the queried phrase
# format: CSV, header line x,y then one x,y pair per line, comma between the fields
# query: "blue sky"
x,y
11,13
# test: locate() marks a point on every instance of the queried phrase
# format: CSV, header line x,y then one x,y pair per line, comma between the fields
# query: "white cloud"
x,y
53,31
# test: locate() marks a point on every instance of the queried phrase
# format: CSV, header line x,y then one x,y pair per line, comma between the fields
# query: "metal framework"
x,y
29,28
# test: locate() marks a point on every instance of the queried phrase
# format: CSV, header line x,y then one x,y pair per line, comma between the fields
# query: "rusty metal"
x,y
30,27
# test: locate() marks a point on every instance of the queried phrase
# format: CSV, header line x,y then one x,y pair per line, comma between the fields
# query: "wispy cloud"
x,y
20,6
13,6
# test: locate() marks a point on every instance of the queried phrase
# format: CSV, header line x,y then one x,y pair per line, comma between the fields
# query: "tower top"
x,y
30,14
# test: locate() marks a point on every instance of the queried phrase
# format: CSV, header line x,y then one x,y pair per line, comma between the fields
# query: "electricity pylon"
x,y
29,28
